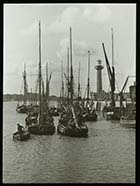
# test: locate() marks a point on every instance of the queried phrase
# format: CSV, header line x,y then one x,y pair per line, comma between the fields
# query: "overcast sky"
x,y
91,25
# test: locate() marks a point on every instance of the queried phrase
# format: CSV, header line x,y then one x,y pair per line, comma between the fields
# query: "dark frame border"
x,y
137,69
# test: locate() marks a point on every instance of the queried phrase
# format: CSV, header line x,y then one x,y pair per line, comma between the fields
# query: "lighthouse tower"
x,y
99,68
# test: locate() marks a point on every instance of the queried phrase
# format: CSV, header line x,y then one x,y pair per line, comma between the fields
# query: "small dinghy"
x,y
72,131
129,123
21,137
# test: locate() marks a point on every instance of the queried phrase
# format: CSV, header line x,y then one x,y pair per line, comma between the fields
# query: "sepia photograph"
x,y
69,93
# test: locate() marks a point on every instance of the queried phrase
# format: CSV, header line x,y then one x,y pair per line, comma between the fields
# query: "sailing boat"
x,y
23,108
90,113
21,137
128,117
70,122
111,112
44,124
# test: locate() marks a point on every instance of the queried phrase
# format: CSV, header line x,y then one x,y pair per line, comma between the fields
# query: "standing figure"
x,y
20,129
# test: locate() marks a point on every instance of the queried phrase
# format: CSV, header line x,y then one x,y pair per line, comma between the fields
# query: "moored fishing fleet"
x,y
73,110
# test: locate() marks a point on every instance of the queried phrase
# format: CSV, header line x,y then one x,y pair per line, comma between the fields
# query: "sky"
x,y
91,25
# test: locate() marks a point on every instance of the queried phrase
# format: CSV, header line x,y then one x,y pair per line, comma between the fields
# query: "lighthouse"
x,y
99,69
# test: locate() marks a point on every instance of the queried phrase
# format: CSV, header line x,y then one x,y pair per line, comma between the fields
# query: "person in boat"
x,y
20,129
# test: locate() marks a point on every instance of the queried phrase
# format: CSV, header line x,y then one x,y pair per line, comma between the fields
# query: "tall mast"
x,y
68,63
62,80
47,84
111,76
68,80
112,48
25,85
121,92
40,73
113,71
88,83
31,97
42,88
71,69
79,81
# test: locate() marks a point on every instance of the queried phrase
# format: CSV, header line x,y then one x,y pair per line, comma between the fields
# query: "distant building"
x,y
99,69
102,96
107,96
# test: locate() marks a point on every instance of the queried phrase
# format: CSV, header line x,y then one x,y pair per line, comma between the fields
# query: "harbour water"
x,y
106,156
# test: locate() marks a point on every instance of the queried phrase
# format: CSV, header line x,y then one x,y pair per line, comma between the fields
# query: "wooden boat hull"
x,y
22,109
111,116
24,137
54,114
128,123
38,130
90,117
29,120
72,131
112,113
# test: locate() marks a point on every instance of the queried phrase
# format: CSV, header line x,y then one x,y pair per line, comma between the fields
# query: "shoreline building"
x,y
99,69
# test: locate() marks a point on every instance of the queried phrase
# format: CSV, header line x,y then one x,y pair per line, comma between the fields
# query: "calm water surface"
x,y
106,156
